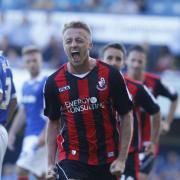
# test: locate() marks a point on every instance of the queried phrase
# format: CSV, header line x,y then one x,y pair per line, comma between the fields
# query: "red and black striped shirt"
x,y
157,88
86,106
142,99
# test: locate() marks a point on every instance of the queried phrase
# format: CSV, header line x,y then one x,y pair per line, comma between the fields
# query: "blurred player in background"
x,y
82,93
33,156
136,64
114,54
8,102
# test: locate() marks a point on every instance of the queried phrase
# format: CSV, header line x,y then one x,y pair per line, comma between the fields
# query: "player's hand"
x,y
52,173
117,168
150,149
11,141
165,127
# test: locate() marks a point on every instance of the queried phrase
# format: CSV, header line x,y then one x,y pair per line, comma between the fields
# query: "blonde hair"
x,y
77,24
30,49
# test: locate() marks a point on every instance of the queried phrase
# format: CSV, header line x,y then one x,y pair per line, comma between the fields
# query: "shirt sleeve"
x,y
167,91
52,103
1,90
13,89
147,101
121,97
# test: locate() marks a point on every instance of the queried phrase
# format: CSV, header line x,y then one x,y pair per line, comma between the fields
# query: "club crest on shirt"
x,y
101,84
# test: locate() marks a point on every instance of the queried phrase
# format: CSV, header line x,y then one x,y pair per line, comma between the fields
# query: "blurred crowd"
x,y
112,6
167,167
130,6
47,35
13,36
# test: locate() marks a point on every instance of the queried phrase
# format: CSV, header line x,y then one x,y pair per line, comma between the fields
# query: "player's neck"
x,y
87,66
34,76
139,77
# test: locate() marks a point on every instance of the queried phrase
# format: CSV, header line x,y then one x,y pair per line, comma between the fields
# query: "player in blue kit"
x,y
8,103
33,156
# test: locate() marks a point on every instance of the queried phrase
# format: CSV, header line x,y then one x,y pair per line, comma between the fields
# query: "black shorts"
x,y
69,169
146,163
132,167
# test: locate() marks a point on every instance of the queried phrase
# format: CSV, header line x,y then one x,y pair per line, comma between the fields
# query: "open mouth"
x,y
75,55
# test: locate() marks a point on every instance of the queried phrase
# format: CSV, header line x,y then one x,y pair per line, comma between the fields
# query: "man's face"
x,y
136,62
33,62
77,43
114,57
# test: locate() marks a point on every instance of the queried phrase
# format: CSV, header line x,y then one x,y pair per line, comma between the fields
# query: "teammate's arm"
x,y
170,115
171,94
17,124
123,105
166,124
155,130
150,105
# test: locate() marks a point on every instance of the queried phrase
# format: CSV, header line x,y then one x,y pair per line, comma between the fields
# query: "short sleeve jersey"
x,y
86,106
157,88
142,99
7,88
32,103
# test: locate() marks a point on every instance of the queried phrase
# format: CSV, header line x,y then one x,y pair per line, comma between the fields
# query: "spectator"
x,y
124,6
141,6
41,32
171,170
43,4
63,4
53,53
5,26
14,57
93,5
165,59
177,63
4,44
20,34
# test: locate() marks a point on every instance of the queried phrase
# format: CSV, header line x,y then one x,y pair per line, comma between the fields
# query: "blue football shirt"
x,y
32,102
7,88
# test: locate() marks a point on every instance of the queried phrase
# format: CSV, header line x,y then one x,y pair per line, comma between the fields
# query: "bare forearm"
x,y
126,135
1,96
171,112
18,122
155,130
52,132
42,137
13,105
